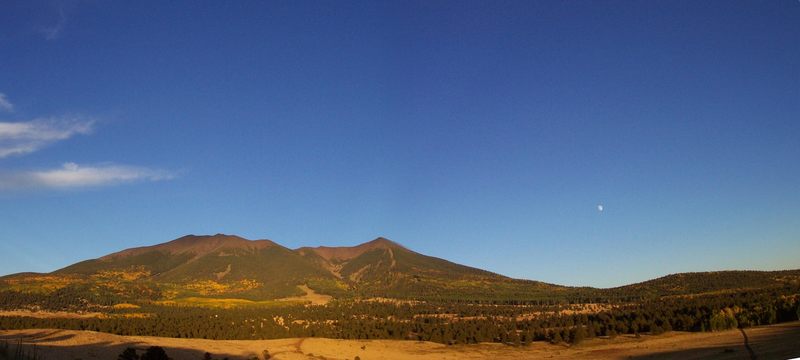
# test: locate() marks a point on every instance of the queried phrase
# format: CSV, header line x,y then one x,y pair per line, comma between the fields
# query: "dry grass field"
x,y
769,342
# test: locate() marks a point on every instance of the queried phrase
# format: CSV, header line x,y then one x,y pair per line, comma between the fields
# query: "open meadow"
x,y
764,342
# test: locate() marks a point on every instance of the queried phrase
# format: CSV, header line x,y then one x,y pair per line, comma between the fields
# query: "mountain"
x,y
382,267
381,257
231,267
228,266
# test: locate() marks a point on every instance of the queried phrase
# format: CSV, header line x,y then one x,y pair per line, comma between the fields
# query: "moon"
x,y
600,207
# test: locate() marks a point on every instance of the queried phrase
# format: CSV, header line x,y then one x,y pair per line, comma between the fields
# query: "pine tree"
x,y
798,311
580,334
557,339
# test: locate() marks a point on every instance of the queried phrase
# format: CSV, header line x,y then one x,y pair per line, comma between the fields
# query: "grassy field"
x,y
766,342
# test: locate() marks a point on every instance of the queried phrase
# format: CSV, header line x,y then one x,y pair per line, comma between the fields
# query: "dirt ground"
x,y
311,296
769,342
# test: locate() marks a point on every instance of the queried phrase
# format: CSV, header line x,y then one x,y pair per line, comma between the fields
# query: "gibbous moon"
x,y
600,207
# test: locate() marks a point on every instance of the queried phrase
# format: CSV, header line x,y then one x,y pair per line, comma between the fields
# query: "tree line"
x,y
440,321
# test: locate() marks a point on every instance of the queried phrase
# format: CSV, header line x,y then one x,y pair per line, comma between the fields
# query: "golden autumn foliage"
x,y
44,284
211,287
123,275
125,306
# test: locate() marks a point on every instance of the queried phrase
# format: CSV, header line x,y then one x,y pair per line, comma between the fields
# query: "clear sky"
x,y
487,133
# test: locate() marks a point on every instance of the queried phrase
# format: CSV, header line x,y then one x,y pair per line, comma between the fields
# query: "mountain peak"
x,y
381,242
349,252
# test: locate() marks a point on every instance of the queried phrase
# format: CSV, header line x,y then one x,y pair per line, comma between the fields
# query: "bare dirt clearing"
x,y
311,296
770,342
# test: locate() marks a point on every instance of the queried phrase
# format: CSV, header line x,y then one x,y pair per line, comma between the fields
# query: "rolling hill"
x,y
697,283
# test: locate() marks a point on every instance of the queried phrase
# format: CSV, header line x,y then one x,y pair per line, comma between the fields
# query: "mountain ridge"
x,y
349,252
200,244
230,266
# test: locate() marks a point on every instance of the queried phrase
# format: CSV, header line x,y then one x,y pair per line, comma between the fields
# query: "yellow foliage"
x,y
169,294
342,285
125,306
124,275
211,287
207,287
44,284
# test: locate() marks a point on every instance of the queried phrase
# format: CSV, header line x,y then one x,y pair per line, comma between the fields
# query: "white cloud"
x,y
18,138
24,137
5,105
71,175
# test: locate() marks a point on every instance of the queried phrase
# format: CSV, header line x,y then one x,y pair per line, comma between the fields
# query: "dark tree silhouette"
x,y
128,354
155,353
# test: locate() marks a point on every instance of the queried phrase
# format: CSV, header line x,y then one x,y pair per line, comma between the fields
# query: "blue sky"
x,y
486,133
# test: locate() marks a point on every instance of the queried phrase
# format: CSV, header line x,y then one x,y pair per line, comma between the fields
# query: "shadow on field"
x,y
39,345
50,335
783,343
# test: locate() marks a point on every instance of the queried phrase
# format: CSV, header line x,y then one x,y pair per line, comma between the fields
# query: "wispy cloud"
x,y
18,138
71,175
5,105
24,137
54,31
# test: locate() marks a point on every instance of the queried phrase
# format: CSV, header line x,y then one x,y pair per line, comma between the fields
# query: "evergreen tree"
x,y
557,339
580,334
798,311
